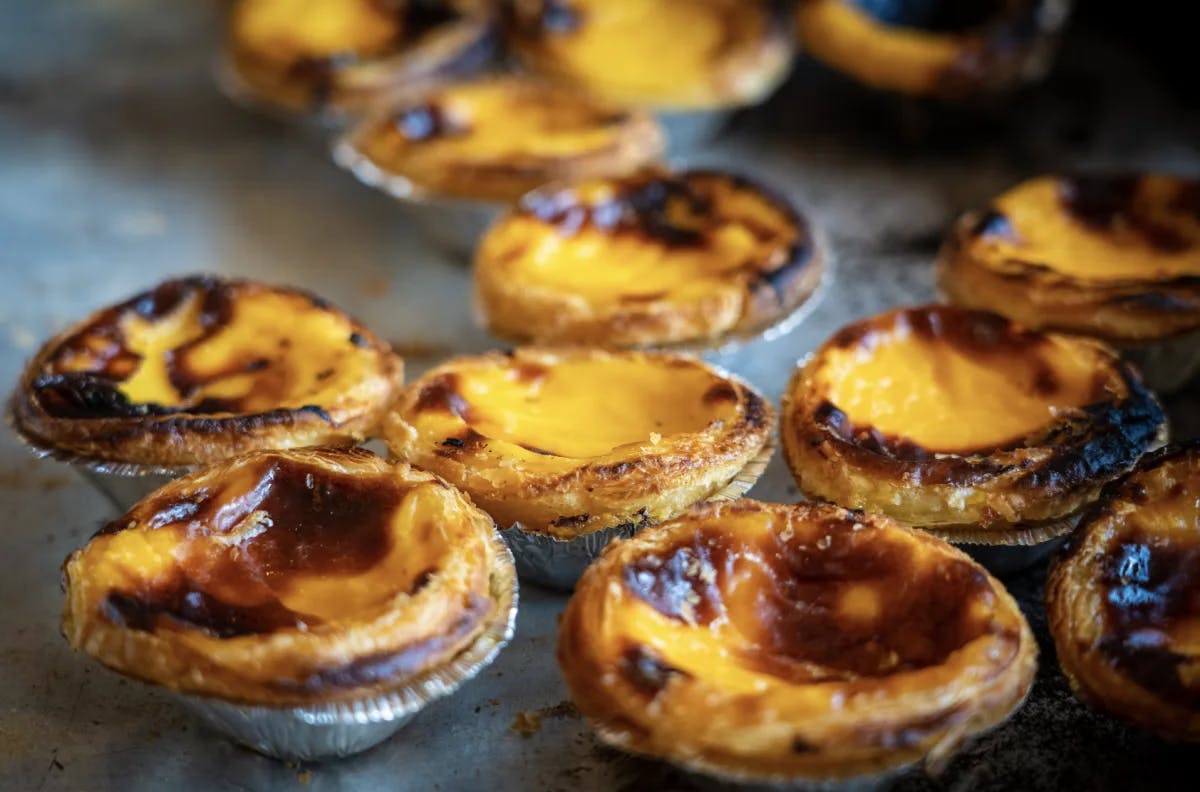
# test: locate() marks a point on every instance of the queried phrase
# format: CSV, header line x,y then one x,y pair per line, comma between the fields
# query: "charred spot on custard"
x,y
646,670
443,393
1107,202
185,606
993,224
427,121
681,584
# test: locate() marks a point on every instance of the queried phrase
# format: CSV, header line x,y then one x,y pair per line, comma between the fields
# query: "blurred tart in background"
x,y
963,423
774,644
660,54
650,259
346,55
1124,598
496,138
1114,257
949,49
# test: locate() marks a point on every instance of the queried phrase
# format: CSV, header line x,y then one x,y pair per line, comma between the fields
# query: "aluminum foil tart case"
x,y
558,563
121,483
330,731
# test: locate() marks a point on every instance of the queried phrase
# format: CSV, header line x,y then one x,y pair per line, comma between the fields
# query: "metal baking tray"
x,y
122,164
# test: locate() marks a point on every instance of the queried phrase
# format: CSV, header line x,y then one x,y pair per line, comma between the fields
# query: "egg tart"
x,y
650,259
496,138
566,444
964,423
664,54
310,578
345,55
1123,598
948,49
199,369
789,644
1109,256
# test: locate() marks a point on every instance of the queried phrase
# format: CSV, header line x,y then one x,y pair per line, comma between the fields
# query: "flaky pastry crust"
x,y
1123,598
564,442
200,369
955,50
1080,417
346,56
664,54
496,138
285,578
650,259
764,642
1115,257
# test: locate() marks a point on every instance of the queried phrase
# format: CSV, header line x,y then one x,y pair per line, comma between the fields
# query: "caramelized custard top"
x,y
277,543
658,52
807,596
1105,228
571,405
206,346
296,30
651,237
1150,577
953,381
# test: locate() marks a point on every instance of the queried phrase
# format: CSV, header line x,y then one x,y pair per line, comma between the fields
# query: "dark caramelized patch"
x,y
720,392
643,668
295,519
1149,587
681,584
442,392
427,121
994,224
1109,202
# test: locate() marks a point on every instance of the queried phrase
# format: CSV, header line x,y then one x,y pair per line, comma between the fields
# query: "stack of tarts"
x,y
966,425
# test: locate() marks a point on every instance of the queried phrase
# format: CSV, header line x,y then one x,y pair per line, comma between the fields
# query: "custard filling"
x,y
211,347
490,121
295,29
800,603
1105,229
953,397
276,546
584,408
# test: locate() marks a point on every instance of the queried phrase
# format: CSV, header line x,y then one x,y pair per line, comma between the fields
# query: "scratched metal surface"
x,y
120,164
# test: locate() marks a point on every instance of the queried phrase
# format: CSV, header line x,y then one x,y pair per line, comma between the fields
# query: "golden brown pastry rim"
x,y
171,442
350,661
620,489
1075,615
744,76
522,314
905,731
640,142
1002,492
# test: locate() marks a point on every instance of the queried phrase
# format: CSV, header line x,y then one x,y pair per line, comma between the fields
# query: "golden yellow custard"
x,y
962,420
285,577
652,258
1111,256
199,369
1124,598
496,138
666,54
566,441
763,642
947,48
345,54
